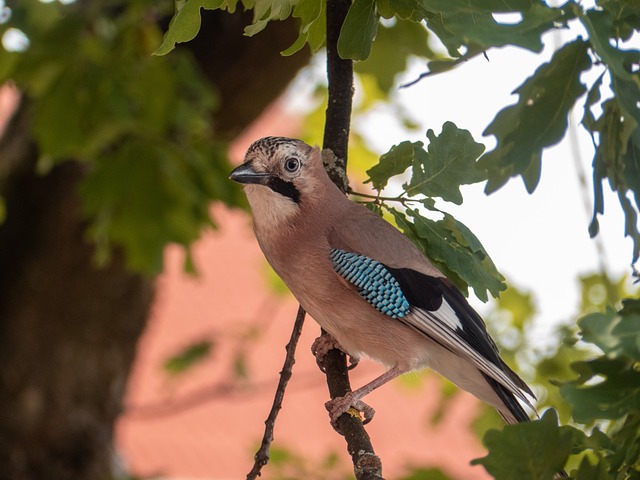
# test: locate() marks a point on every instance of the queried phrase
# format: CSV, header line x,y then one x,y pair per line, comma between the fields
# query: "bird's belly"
x,y
361,330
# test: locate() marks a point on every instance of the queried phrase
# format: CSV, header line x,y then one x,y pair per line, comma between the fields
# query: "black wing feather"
x,y
427,292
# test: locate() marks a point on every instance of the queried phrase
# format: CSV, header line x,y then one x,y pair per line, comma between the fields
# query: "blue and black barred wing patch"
x,y
373,280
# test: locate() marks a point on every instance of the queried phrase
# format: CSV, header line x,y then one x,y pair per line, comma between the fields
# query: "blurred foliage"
x,y
286,464
603,400
425,474
140,124
590,378
396,43
188,357
274,282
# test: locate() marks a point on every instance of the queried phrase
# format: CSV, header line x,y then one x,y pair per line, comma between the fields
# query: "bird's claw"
x,y
325,343
353,362
339,405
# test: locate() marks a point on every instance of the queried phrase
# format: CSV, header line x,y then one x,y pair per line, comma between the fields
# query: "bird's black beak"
x,y
245,174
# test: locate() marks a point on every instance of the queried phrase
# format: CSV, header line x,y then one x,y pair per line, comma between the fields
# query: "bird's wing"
x,y
359,230
430,305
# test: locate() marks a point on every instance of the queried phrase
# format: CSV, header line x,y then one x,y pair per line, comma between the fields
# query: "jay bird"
x,y
365,283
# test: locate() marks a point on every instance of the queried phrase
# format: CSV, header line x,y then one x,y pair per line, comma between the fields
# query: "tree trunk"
x,y
68,330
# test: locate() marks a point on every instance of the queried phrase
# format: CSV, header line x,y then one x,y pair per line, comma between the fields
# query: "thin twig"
x,y
399,198
262,455
445,66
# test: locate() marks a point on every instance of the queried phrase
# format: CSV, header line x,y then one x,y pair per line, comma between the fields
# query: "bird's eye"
x,y
291,164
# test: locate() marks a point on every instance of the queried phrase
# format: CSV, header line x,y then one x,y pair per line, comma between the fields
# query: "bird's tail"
x,y
512,411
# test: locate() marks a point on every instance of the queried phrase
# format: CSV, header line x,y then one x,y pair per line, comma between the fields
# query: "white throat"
x,y
271,211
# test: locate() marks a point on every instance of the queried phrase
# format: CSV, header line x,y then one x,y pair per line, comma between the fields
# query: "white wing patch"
x,y
440,325
446,314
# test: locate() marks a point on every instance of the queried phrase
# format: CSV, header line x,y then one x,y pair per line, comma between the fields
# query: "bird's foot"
x,y
350,404
325,343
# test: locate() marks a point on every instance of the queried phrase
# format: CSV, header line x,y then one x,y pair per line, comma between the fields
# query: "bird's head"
x,y
284,173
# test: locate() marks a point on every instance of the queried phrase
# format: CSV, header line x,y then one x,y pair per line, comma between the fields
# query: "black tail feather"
x,y
509,401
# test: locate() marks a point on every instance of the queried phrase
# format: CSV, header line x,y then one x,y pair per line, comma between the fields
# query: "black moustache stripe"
x,y
283,187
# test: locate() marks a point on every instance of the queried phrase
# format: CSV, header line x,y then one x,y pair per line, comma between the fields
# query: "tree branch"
x,y
340,78
262,455
367,465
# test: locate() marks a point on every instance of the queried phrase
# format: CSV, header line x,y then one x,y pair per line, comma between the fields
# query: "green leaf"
x,y
265,11
615,334
627,17
358,30
589,122
374,207
471,24
185,24
394,162
535,450
187,358
316,36
310,13
617,158
444,65
606,388
603,35
455,250
481,6
411,232
412,10
539,119
628,95
601,26
586,471
593,98
395,45
631,223
449,162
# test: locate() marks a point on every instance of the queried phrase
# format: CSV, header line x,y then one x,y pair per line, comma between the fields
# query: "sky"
x,y
539,242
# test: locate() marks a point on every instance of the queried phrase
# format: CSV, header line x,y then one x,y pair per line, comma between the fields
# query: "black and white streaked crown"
x,y
269,145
